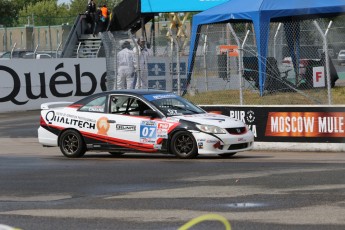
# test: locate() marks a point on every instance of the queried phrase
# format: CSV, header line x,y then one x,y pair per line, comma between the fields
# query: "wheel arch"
x,y
65,130
172,133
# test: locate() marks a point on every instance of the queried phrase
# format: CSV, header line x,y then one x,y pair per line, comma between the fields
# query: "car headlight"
x,y
211,129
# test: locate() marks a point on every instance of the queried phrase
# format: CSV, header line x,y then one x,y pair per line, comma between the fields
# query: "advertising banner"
x,y
290,124
27,83
162,6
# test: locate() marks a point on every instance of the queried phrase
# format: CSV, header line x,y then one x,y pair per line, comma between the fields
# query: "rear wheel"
x,y
72,144
184,145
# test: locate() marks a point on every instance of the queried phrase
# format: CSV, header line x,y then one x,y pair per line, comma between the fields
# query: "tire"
x,y
116,153
72,144
226,155
183,145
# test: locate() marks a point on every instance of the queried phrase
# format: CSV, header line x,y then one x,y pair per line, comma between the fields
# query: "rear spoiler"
x,y
51,105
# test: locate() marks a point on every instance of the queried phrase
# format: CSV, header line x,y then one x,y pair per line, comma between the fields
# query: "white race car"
x,y
140,120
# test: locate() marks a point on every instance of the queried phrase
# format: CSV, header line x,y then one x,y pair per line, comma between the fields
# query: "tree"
x,y
44,13
8,13
77,7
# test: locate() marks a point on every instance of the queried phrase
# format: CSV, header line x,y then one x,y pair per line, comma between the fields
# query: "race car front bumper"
x,y
223,143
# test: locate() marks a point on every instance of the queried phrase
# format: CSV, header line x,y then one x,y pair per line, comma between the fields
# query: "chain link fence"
x,y
226,64
168,62
295,51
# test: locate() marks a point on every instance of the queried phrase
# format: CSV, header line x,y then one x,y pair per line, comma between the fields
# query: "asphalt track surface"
x,y
41,189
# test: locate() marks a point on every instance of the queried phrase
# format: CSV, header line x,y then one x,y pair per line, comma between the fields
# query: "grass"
x,y
251,97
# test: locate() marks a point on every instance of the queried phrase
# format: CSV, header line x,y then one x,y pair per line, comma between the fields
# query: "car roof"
x,y
137,92
134,92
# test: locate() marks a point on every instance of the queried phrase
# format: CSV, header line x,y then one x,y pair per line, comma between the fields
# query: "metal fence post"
x,y
239,61
138,68
111,56
204,58
175,41
275,41
325,50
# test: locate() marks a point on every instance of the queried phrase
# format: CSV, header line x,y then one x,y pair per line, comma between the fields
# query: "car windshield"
x,y
173,105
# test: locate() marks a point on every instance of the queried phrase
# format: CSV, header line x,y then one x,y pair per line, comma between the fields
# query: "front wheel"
x,y
184,145
72,144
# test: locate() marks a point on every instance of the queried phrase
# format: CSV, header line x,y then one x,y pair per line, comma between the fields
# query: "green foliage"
x,y
8,13
43,13
78,7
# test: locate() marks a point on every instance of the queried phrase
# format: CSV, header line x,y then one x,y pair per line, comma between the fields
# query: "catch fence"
x,y
298,68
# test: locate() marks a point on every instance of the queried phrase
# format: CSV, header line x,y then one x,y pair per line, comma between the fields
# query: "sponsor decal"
x,y
153,97
173,112
53,117
200,145
172,119
162,130
120,127
157,146
103,126
97,108
211,141
149,123
163,126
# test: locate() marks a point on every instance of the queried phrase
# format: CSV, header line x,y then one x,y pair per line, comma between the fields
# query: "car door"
x,y
129,128
95,112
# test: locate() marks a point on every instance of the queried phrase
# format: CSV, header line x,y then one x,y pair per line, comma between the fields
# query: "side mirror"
x,y
150,113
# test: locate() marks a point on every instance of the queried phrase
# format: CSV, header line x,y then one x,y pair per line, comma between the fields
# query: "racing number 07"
x,y
148,131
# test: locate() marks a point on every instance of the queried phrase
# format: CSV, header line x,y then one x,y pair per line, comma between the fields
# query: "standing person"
x,y
125,67
104,17
90,14
141,64
97,21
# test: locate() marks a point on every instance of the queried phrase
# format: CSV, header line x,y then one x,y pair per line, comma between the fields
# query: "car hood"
x,y
211,119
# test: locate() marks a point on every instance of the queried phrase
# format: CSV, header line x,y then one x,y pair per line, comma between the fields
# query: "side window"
x,y
97,105
127,105
118,104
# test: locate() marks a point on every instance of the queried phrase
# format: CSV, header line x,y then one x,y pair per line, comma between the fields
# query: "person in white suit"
x,y
125,64
140,65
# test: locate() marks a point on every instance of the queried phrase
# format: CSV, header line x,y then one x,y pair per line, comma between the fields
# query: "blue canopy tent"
x,y
261,13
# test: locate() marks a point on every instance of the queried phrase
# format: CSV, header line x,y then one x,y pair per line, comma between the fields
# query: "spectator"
x,y
141,64
97,21
90,14
125,64
104,17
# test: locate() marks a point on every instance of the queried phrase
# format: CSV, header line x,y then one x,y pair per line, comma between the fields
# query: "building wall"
x,y
45,38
